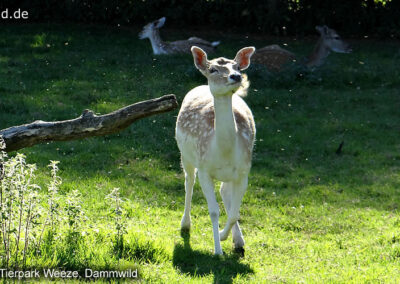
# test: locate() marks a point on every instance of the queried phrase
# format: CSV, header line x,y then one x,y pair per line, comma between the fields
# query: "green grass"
x,y
309,215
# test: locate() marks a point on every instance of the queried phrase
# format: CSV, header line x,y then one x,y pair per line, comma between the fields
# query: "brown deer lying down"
x,y
275,58
151,31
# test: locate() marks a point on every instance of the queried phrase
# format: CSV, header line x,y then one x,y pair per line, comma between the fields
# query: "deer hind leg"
x,y
207,185
226,193
190,177
236,192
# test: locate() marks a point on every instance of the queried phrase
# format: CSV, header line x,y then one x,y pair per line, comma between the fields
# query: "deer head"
x,y
223,75
332,41
149,29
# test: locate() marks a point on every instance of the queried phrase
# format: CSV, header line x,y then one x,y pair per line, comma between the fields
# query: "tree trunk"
x,y
87,125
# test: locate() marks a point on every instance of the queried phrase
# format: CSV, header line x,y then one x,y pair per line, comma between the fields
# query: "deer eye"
x,y
213,70
336,37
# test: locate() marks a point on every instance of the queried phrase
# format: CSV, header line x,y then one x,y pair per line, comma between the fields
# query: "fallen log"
x,y
86,125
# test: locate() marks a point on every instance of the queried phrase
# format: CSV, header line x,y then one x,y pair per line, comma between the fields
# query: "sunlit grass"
x,y
309,214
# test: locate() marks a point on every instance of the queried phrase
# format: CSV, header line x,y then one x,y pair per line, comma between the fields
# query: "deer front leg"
x,y
207,186
226,193
190,176
235,192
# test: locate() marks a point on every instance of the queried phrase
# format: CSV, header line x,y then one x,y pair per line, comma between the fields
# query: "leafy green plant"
x,y
74,214
52,221
72,252
19,205
118,213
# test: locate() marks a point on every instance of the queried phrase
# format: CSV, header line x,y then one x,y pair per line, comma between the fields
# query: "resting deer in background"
x,y
215,133
151,31
274,57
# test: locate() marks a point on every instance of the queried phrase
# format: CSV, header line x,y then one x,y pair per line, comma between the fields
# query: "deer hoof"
x,y
185,224
222,236
239,251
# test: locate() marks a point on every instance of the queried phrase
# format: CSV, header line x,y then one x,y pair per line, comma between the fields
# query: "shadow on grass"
x,y
197,263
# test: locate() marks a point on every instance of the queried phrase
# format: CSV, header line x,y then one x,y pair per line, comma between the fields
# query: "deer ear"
x,y
243,57
323,30
200,58
160,22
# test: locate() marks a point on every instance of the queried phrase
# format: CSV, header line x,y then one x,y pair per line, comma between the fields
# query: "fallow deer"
x,y
215,132
275,58
151,31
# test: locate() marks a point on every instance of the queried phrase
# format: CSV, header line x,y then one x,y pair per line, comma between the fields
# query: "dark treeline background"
x,y
274,17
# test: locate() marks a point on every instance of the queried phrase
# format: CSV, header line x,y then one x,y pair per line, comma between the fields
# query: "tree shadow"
x,y
198,263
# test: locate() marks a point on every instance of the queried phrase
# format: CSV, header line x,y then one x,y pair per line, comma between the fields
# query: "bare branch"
x,y
87,125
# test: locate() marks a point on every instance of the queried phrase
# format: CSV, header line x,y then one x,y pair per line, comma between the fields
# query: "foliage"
x,y
62,239
115,202
268,17
19,209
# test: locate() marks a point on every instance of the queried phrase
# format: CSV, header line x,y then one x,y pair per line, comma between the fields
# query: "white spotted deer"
x,y
151,31
275,58
215,132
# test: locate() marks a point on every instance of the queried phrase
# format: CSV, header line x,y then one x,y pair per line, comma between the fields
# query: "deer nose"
x,y
235,77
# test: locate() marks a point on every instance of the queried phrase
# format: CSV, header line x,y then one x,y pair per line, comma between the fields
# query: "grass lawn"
x,y
309,215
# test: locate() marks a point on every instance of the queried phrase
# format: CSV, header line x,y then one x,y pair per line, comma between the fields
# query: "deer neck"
x,y
156,42
317,58
224,124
